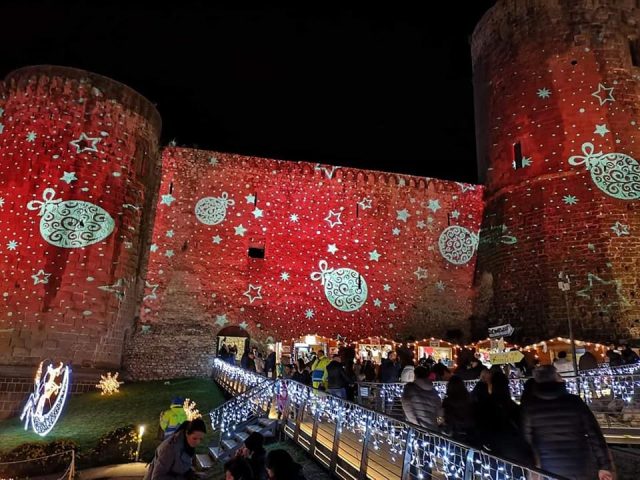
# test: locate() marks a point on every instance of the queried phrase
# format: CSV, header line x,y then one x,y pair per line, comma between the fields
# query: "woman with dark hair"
x,y
280,466
301,374
174,456
238,469
253,450
458,411
499,423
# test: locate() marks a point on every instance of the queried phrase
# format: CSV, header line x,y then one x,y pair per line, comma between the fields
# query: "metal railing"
x,y
356,443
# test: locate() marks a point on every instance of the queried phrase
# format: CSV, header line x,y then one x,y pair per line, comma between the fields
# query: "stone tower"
x,y
79,172
557,87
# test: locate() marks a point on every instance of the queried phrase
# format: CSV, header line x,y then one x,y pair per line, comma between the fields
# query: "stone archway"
x,y
233,336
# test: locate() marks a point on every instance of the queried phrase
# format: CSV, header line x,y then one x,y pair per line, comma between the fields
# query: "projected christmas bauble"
x,y
213,210
457,244
345,288
616,174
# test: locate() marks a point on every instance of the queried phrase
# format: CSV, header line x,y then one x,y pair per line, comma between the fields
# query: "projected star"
x,y
257,213
253,293
284,276
85,143
603,94
309,313
403,215
69,177
440,285
1,128
544,93
600,291
421,224
333,218
294,218
465,187
455,214
332,248
420,273
377,302
386,287
167,199
152,295
169,253
31,137
392,307
240,230
217,239
396,231
221,320
1,202
213,161
40,277
170,233
601,130
570,199
434,205
243,325
250,198
365,203
374,255
620,229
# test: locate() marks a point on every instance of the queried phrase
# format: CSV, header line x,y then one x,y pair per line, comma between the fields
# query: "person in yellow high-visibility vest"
x,y
173,417
319,371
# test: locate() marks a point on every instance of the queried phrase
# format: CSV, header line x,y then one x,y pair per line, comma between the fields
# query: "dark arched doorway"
x,y
234,339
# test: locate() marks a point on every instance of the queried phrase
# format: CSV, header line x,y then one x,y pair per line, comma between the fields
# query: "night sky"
x,y
385,87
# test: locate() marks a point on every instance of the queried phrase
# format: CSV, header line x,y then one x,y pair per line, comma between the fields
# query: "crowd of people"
x,y
550,428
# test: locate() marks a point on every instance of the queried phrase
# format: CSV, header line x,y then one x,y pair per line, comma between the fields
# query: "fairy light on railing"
x,y
430,451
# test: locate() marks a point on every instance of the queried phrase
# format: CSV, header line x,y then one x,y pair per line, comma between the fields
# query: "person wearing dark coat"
x,y
587,362
629,357
270,364
174,456
238,469
244,360
301,373
458,412
390,369
253,451
563,433
251,362
499,423
615,359
337,380
420,402
281,466
480,391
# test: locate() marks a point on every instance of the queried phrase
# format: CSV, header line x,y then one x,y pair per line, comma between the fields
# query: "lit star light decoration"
x,y
190,409
109,384
341,246
44,406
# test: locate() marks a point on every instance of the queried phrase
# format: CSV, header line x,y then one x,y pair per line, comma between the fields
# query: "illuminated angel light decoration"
x,y
45,404
345,288
71,223
191,410
457,244
109,384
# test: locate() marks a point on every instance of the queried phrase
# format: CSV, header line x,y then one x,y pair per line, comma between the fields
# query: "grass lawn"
x,y
88,416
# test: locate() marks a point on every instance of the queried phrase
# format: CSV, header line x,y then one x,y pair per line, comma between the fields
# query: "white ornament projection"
x,y
213,210
345,288
44,406
457,244
616,174
71,223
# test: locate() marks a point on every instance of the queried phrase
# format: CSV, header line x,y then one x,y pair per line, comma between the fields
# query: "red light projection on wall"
x,y
286,248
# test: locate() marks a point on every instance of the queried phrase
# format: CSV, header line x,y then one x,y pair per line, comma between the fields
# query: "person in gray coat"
x,y
174,457
420,402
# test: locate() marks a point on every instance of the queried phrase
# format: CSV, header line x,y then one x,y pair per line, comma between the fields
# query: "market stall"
x,y
374,348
